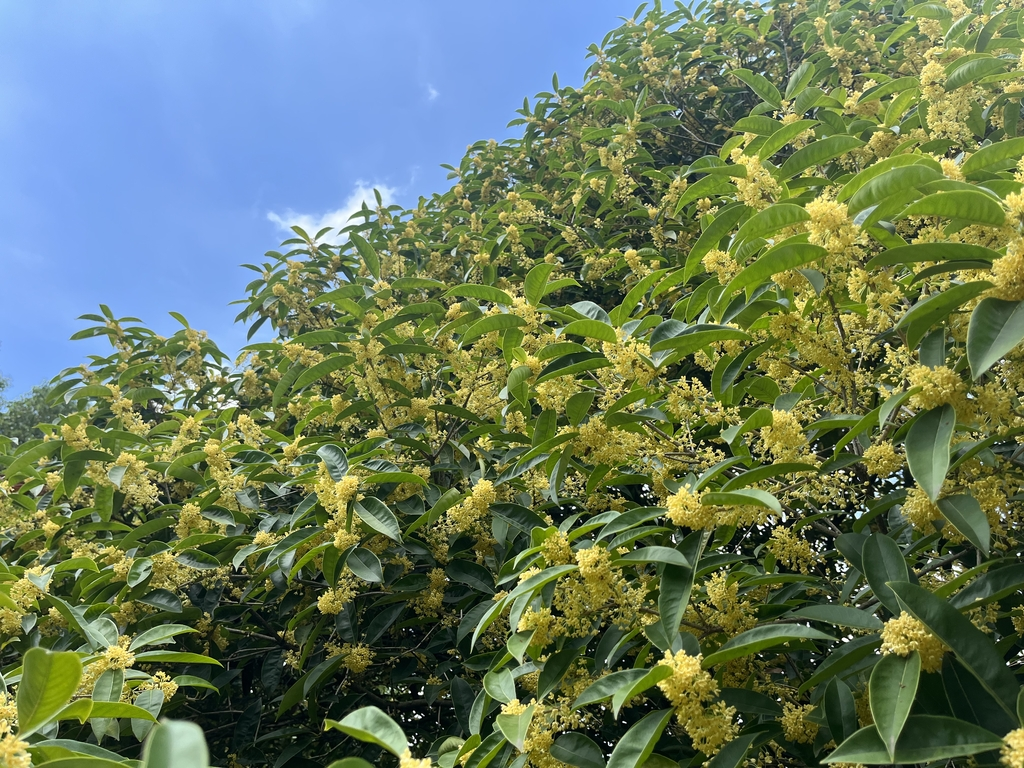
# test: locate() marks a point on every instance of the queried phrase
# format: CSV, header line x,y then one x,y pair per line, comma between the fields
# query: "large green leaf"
x,y
972,646
965,514
818,153
996,327
920,318
883,563
891,693
577,750
994,155
173,744
639,741
515,727
760,638
779,259
925,738
373,725
927,447
964,204
48,680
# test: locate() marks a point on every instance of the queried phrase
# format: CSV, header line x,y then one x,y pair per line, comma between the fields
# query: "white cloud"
x,y
432,92
336,219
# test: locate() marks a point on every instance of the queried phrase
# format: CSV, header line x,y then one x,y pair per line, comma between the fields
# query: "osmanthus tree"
x,y
685,428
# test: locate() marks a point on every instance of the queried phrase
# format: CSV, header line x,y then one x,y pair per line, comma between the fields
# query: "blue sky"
x,y
149,148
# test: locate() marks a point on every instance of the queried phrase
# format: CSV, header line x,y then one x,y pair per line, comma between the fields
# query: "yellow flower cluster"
x,y
189,519
1012,753
332,601
791,550
882,460
462,517
903,634
358,657
408,761
1008,272
784,438
919,510
13,752
162,682
135,485
758,188
693,691
795,725
939,386
686,511
118,656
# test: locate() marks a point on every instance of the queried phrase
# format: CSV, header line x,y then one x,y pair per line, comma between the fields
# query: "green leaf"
x,y
490,324
800,79
927,447
380,478
925,738
81,762
759,638
910,254
997,154
180,657
818,153
591,329
639,741
891,693
536,281
784,136
779,259
48,681
175,743
158,635
626,692
760,85
196,558
840,709
710,238
742,497
771,219
379,517
374,726
500,685
654,554
350,762
972,646
606,686
114,709
973,71
321,369
997,326
965,514
577,750
884,563
840,615
964,204
365,565
895,181
334,457
368,254
515,727
733,754
920,318
485,292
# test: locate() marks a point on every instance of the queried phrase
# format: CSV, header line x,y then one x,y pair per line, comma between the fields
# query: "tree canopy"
x,y
684,429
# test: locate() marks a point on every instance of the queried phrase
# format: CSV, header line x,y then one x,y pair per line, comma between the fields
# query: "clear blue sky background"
x,y
149,148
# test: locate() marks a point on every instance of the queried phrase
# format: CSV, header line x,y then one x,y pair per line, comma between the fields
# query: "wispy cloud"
x,y
432,92
338,218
